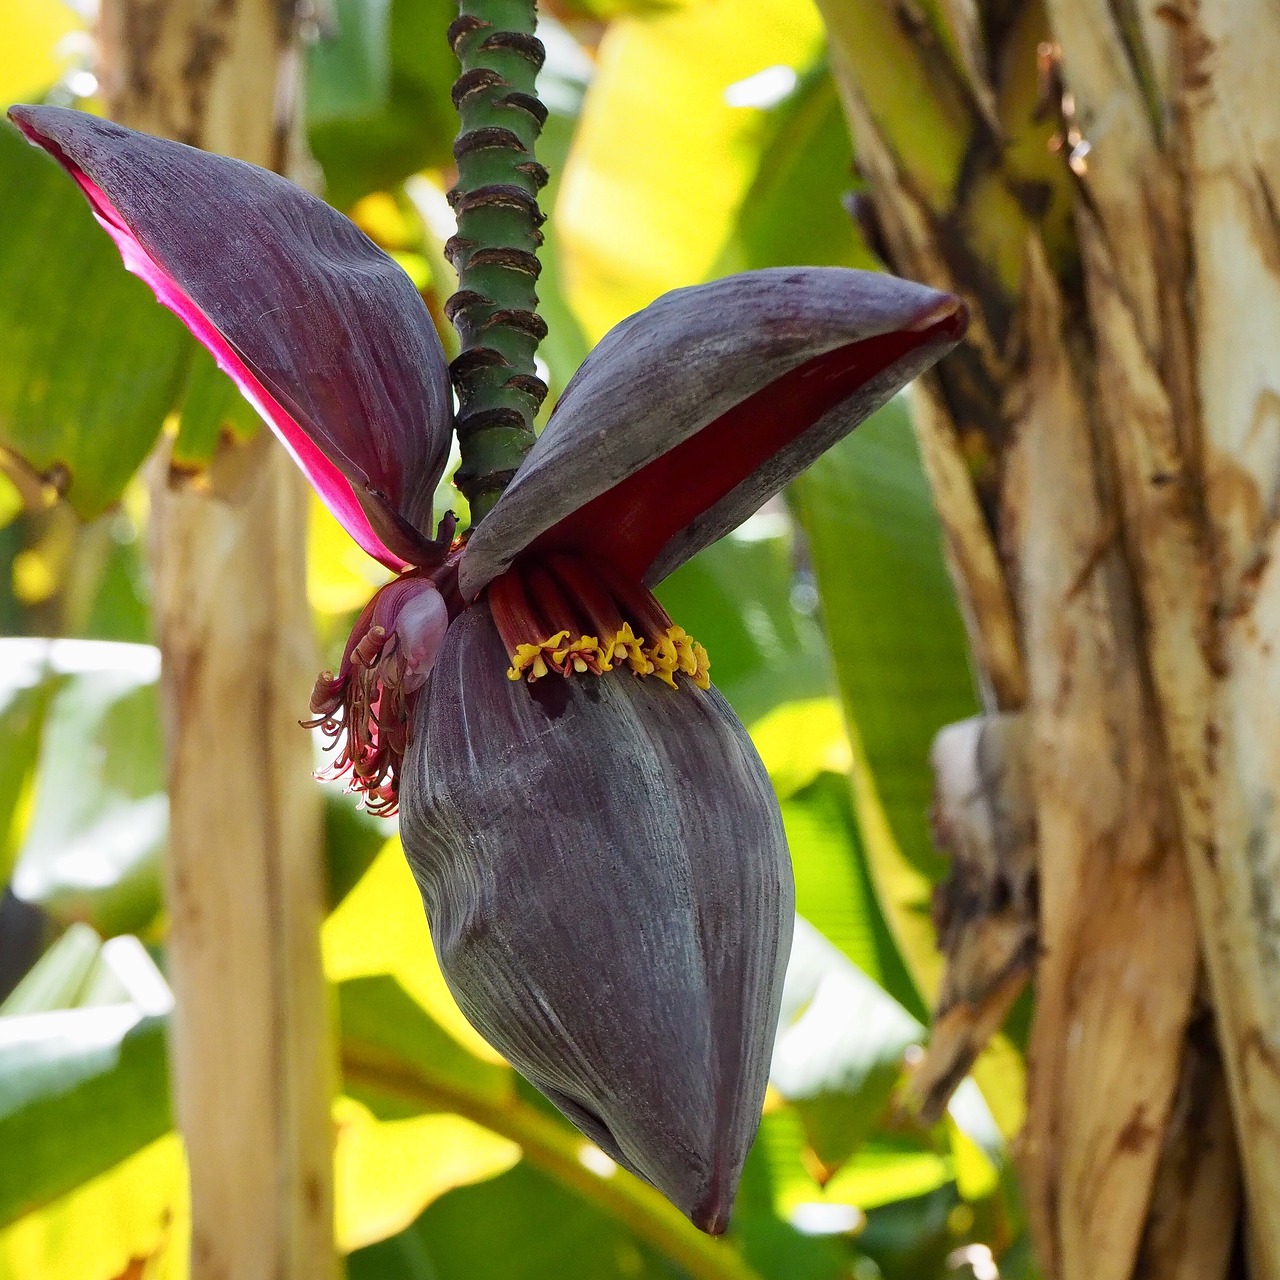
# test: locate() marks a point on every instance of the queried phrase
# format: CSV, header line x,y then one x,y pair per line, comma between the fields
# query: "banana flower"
x,y
600,854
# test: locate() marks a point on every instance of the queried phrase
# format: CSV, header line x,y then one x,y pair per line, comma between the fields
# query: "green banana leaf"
x,y
378,94
80,1089
899,651
90,364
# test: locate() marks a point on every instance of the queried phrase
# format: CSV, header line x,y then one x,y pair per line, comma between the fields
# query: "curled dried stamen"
x,y
625,646
580,656
693,658
537,658
366,709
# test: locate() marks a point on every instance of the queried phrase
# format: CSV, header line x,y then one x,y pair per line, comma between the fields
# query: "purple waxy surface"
x,y
324,333
699,359
606,877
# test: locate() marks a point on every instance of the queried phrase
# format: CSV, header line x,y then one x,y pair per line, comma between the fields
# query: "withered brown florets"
x,y
366,709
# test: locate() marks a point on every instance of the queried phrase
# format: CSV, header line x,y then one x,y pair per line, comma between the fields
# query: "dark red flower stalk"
x,y
599,851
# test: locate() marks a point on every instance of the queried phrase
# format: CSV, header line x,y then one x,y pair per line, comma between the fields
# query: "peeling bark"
x,y
1191,1229
1106,463
1117,972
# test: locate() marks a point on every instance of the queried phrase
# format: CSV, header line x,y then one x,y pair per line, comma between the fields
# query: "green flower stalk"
x,y
495,249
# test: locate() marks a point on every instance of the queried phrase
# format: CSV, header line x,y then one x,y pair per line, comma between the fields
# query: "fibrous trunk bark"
x,y
253,1060
1101,180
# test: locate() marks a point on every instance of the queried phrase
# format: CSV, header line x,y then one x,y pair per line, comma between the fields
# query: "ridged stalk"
x,y
495,249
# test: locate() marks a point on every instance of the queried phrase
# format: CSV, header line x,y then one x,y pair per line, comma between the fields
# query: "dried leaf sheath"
x,y
1120,405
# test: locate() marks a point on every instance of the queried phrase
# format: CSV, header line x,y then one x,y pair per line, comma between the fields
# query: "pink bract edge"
x,y
333,487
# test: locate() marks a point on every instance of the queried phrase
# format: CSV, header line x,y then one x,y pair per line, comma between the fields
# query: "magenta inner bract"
x,y
334,488
629,524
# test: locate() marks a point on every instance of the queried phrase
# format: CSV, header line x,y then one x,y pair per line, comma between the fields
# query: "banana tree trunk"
x,y
253,1060
1101,180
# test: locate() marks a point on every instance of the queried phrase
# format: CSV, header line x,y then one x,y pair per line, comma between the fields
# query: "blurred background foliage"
x,y
687,139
